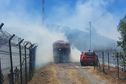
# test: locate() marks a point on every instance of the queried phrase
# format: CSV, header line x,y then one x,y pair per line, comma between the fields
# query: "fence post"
x,y
95,62
108,62
118,63
33,58
26,62
123,63
103,69
1,75
98,61
30,61
11,60
19,44
1,25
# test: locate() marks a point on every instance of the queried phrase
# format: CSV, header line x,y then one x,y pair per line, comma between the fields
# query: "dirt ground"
x,y
71,73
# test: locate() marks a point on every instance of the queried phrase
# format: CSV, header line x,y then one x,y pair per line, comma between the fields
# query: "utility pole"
x,y
1,25
43,11
90,34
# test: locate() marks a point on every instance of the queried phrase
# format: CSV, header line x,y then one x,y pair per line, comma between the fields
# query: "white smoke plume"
x,y
29,26
75,55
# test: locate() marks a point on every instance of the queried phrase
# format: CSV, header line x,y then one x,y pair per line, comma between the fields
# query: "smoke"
x,y
40,35
85,11
27,23
75,54
29,27
37,33
45,49
104,24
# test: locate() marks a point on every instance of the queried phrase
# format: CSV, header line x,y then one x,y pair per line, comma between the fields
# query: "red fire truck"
x,y
88,59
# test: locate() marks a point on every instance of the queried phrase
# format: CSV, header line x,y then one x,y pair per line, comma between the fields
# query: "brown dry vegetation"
x,y
72,74
107,77
58,74
46,75
77,79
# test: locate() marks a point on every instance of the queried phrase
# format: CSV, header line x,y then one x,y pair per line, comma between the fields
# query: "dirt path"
x,y
77,74
70,74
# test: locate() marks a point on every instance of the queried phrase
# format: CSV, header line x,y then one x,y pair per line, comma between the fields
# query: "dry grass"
x,y
46,75
109,79
66,74
77,78
53,74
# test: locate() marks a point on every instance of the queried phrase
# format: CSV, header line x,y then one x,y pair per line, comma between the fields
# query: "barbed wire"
x,y
11,53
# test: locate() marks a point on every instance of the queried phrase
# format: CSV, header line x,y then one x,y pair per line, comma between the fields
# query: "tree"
x,y
122,31
122,42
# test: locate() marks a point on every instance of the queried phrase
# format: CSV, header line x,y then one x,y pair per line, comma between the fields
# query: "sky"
x,y
78,13
72,13
24,18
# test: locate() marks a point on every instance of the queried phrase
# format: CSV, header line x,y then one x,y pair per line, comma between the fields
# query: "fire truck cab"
x,y
88,59
61,51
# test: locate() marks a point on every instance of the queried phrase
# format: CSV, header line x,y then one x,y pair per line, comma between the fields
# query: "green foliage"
x,y
122,30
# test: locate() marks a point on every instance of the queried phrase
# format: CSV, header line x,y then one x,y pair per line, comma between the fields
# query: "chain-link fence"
x,y
17,59
112,62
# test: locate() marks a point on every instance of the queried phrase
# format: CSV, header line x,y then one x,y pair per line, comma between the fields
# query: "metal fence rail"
x,y
17,59
112,62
